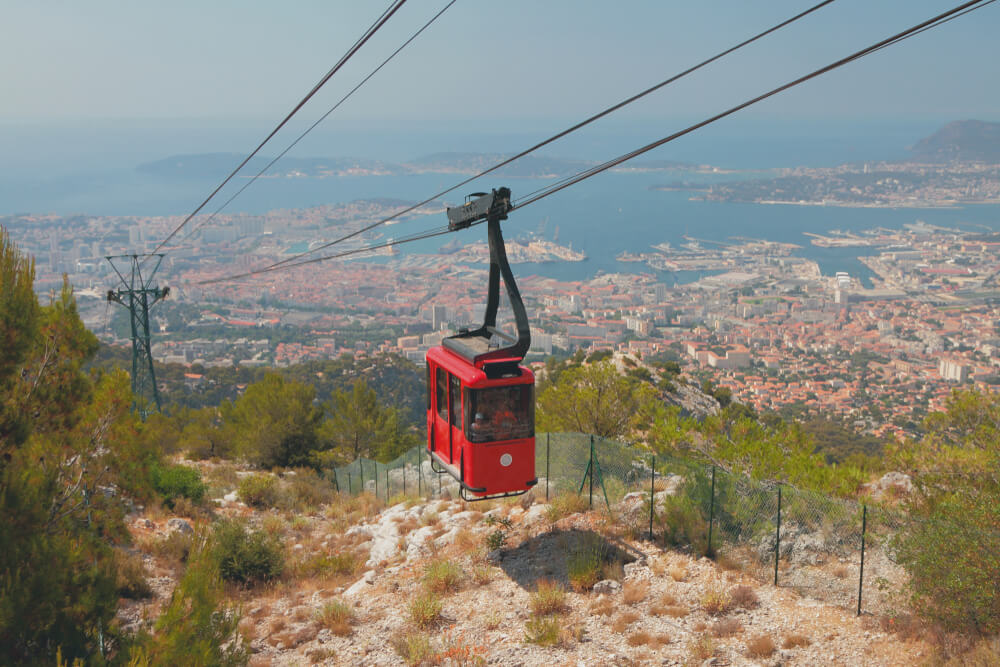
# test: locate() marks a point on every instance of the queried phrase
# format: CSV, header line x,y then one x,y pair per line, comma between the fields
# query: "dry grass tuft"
x,y
413,647
677,573
726,627
407,526
743,597
796,640
425,609
715,601
277,625
621,623
493,620
565,504
442,576
294,638
482,575
248,629
550,598
543,631
602,607
760,647
701,648
466,540
640,638
674,611
635,591
337,617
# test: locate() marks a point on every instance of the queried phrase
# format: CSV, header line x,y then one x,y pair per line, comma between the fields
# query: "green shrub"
x,y
442,576
585,562
196,628
259,491
681,524
549,598
178,481
496,540
247,556
425,609
565,504
307,490
131,574
545,631
953,559
337,617
175,546
343,563
413,647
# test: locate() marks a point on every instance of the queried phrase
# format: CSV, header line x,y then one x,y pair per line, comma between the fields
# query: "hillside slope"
x,y
398,563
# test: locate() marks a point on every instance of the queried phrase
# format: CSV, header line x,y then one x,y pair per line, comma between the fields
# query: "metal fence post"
x,y
548,437
652,495
861,574
591,468
711,514
777,539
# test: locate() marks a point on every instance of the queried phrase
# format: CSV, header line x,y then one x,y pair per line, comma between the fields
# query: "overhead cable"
x,y
899,37
320,120
419,236
386,15
940,19
559,135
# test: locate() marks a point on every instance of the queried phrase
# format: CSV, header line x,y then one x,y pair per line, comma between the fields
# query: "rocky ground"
x,y
447,582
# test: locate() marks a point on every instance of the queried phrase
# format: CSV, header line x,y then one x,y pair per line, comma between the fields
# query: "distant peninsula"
x,y
957,165
215,166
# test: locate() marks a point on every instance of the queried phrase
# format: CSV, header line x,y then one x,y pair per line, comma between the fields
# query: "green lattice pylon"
x,y
138,294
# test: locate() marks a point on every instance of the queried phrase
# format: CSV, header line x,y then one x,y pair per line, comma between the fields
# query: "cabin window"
x,y
430,388
456,401
500,413
442,393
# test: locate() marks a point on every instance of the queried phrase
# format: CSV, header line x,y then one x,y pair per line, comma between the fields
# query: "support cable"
x,y
561,134
418,236
386,15
320,120
940,19
899,37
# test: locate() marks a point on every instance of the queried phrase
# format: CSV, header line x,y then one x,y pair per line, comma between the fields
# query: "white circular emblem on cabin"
x,y
506,460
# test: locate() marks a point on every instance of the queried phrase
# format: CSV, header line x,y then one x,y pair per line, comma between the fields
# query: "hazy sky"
x,y
516,60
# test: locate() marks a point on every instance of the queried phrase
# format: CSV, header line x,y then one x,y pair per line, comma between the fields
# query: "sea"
x,y
66,168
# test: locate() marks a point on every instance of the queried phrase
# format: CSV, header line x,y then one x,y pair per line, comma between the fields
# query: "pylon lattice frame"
x,y
138,294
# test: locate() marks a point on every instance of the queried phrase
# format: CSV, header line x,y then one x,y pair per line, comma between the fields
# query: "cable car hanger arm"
x,y
474,345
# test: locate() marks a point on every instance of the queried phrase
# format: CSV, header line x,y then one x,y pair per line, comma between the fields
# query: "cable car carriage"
x,y
480,399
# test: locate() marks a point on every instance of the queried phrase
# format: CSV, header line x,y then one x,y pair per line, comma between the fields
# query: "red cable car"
x,y
480,399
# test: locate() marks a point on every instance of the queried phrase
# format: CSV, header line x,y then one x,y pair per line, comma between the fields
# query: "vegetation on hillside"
x,y
73,458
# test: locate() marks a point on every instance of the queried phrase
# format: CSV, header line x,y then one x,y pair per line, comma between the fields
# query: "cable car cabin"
x,y
480,399
481,429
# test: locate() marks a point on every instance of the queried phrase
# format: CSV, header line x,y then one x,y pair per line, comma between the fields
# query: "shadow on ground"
x,y
547,556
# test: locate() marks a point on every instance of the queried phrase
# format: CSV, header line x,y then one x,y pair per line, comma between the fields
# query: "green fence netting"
x,y
801,539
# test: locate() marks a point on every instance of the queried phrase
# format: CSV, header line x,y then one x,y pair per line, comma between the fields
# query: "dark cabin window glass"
x,y
500,413
442,393
456,401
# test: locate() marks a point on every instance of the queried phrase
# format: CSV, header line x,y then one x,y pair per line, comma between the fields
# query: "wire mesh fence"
x,y
827,548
